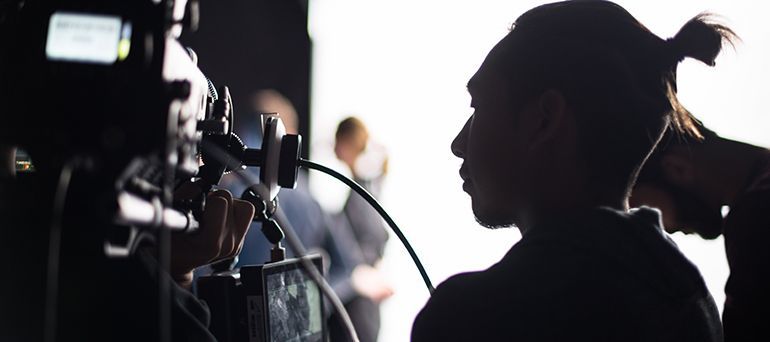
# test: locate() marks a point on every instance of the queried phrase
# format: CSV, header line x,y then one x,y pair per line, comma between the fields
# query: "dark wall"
x,y
256,44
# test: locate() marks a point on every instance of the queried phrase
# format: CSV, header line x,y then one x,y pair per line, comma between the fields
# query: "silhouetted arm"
x,y
747,235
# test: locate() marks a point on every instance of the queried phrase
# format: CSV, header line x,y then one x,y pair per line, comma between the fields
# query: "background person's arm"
x,y
747,235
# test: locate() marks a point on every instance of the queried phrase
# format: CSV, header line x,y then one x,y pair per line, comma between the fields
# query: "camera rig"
x,y
107,82
113,111
103,97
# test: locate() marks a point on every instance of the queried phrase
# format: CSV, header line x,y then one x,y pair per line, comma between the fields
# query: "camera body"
x,y
101,78
271,302
107,83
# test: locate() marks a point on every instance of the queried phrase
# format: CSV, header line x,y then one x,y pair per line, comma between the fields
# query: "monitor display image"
x,y
294,305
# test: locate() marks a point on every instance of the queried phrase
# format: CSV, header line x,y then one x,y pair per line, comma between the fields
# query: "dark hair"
x,y
619,77
652,172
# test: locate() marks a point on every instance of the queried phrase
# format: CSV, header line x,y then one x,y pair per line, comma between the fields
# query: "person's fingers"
x,y
193,250
243,213
213,225
228,243
224,194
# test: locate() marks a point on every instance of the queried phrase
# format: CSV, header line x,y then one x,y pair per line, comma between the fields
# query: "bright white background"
x,y
402,66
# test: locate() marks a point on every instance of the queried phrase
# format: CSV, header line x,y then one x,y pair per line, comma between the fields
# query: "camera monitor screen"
x,y
87,38
294,303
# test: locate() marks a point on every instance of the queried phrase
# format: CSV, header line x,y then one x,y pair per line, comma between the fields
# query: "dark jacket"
x,y
602,276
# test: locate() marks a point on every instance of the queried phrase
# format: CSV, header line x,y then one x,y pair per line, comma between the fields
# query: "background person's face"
x,y
346,151
681,210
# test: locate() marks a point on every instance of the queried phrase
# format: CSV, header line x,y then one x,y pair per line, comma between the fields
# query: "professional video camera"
x,y
104,100
104,86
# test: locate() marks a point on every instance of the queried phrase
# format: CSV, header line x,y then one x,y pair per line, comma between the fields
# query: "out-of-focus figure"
x,y
314,227
368,162
690,180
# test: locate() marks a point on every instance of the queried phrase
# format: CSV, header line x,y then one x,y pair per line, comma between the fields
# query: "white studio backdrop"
x,y
402,66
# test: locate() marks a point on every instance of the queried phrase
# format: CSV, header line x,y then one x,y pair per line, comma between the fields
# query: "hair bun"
x,y
700,38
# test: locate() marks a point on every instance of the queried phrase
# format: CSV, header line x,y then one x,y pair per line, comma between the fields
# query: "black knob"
x,y
259,204
288,162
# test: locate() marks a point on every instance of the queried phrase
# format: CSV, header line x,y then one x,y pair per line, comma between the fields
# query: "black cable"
x,y
54,250
376,205
294,242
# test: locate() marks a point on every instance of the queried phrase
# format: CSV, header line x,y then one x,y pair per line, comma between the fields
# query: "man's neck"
x,y
579,205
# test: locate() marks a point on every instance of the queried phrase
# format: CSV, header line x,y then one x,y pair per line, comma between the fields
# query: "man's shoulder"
x,y
458,290
453,308
477,282
469,305
515,269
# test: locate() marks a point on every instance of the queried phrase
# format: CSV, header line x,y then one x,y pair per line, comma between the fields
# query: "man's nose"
x,y
461,140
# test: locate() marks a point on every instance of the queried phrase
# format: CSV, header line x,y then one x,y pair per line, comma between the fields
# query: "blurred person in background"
x,y
313,225
690,180
347,270
368,163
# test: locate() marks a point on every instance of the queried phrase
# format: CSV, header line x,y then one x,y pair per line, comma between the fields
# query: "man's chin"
x,y
495,225
493,220
708,233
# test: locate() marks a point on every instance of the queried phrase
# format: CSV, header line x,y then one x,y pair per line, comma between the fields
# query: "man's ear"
x,y
678,168
552,115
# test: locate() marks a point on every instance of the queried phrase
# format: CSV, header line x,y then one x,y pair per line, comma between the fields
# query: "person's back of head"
x,y
603,86
618,76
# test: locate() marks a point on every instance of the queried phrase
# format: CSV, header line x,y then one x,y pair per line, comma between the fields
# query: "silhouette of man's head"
x,y
669,182
569,105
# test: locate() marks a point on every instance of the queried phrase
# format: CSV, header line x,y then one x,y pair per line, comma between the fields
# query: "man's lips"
x,y
465,177
464,173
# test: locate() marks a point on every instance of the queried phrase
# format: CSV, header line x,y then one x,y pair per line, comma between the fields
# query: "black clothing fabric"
x,y
99,299
747,232
366,224
600,276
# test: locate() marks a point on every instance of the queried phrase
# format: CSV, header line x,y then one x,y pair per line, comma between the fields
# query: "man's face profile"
x,y
491,147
